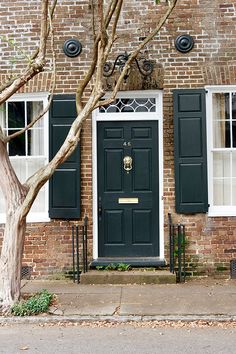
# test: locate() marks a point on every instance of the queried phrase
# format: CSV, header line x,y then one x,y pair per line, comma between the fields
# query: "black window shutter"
x,y
64,185
190,151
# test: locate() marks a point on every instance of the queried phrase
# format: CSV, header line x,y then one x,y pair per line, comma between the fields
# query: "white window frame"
x,y
29,97
215,210
129,116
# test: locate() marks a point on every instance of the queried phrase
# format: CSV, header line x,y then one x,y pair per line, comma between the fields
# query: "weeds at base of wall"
x,y
34,305
121,267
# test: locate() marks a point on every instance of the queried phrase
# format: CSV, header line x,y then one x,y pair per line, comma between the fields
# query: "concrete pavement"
x,y
206,298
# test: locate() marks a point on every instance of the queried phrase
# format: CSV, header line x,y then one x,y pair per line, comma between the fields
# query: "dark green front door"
x,y
128,189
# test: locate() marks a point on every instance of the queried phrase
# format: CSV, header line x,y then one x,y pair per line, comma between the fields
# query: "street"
x,y
104,338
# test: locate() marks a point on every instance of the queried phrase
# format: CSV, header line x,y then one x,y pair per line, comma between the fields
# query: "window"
x,y
29,151
128,105
222,150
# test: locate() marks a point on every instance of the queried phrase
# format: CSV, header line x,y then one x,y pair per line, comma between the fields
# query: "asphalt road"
x,y
123,339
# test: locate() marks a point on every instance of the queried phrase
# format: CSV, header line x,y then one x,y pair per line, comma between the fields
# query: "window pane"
x,y
221,191
234,191
33,164
16,115
34,108
23,149
19,165
39,203
221,164
17,145
234,105
234,163
35,142
220,106
221,134
234,133
3,116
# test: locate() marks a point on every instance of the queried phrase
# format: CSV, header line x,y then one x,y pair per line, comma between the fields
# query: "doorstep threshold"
x,y
133,261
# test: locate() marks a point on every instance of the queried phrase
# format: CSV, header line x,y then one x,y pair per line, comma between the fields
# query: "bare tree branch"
x,y
134,54
51,90
37,60
51,12
110,11
114,27
83,84
2,135
93,19
101,23
88,76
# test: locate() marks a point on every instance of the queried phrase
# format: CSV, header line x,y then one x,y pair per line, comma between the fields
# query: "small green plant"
x,y
123,267
115,266
33,305
183,244
100,267
111,266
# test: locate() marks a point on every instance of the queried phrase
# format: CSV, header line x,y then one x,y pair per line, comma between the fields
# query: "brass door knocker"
x,y
127,160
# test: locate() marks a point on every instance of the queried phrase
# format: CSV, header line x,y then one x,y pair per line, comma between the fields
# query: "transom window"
x,y
128,105
28,151
222,151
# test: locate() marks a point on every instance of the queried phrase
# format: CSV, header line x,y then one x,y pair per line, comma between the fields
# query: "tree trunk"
x,y
10,261
13,241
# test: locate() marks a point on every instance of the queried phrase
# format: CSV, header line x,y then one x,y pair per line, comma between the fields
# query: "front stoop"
x,y
127,277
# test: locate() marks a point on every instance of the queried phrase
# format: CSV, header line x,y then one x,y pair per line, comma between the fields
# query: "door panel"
x,y
142,220
141,178
114,133
114,227
128,216
113,173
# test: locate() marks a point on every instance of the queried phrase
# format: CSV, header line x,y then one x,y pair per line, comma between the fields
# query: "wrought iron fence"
x,y
79,234
177,242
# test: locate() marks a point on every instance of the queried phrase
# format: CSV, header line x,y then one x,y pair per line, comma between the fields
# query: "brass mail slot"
x,y
128,201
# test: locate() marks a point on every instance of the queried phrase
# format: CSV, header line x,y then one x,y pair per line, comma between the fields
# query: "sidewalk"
x,y
207,299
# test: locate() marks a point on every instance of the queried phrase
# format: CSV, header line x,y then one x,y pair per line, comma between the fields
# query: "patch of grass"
x,y
34,305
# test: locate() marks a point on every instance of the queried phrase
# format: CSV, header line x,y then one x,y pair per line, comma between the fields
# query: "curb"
x,y
119,319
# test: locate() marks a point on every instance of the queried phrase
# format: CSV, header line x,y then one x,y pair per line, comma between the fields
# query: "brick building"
x,y
178,127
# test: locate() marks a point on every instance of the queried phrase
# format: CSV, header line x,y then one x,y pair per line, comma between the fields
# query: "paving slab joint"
x,y
114,318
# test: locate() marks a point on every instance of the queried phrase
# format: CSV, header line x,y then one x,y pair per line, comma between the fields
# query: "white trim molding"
x,y
126,116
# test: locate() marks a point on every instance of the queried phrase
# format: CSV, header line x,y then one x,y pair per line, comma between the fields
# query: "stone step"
x,y
127,277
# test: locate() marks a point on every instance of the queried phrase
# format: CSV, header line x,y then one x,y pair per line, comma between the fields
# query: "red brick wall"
x,y
211,62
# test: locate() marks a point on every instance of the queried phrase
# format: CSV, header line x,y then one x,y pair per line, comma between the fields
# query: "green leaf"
x,y
36,304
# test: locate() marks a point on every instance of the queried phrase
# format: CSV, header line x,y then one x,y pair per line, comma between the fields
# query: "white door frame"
x,y
157,115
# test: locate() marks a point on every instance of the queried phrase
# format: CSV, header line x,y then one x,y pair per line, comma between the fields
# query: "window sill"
x,y
222,211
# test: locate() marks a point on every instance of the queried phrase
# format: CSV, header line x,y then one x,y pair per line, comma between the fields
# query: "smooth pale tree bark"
x,y
12,248
20,197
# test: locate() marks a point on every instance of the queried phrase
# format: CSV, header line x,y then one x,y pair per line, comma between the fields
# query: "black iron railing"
x,y
79,233
177,242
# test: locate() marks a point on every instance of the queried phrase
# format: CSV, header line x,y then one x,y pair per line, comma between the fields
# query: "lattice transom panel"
x,y
129,105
